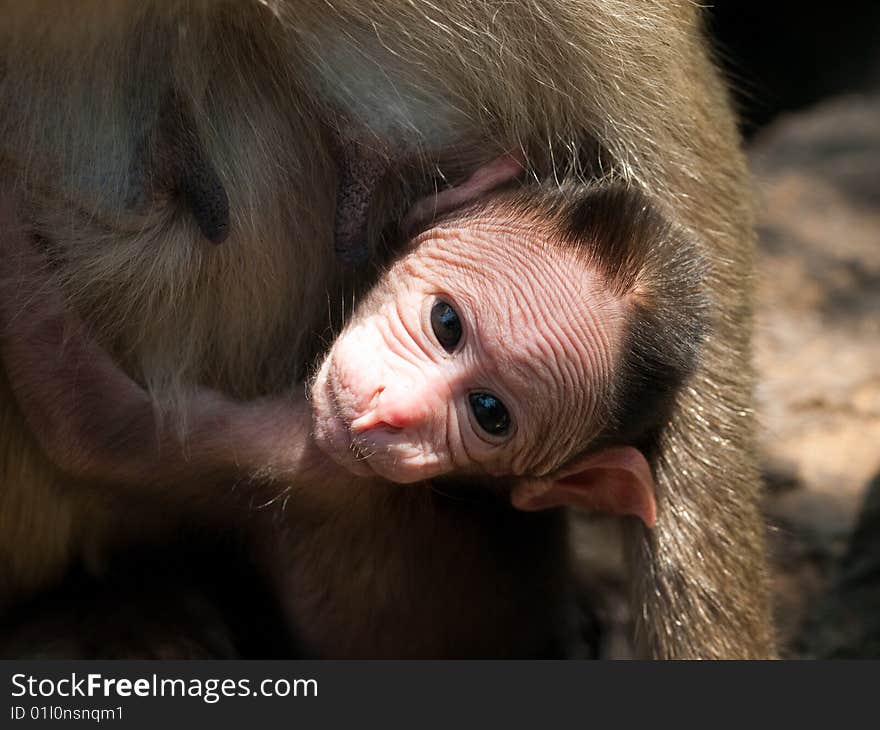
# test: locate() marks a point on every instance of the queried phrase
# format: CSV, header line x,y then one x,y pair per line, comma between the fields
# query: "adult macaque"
x,y
257,102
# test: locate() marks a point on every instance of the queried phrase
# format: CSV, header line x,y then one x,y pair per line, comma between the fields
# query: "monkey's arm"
x,y
496,173
95,423
360,167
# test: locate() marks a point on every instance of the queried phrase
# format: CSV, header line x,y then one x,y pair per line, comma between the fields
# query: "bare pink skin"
x,y
487,178
616,480
539,332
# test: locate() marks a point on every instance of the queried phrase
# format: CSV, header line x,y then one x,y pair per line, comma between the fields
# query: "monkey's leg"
x,y
701,588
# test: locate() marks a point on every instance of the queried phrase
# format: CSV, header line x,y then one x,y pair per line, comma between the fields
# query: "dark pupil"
x,y
490,413
446,325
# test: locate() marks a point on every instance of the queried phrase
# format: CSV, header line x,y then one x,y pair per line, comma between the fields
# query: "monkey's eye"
x,y
446,325
489,413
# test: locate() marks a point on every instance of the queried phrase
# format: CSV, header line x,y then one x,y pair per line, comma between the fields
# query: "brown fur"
x,y
592,88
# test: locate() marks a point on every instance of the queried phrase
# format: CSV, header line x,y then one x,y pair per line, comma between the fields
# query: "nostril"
x,y
391,424
365,422
374,401
371,416
374,418
402,412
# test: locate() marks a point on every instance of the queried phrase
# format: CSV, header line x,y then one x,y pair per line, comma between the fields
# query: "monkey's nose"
x,y
400,408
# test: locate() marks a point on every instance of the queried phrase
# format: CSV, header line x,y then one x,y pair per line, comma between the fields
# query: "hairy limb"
x,y
700,580
96,423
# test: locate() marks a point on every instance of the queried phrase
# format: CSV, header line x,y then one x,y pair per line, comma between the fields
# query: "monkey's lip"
x,y
375,453
333,435
398,461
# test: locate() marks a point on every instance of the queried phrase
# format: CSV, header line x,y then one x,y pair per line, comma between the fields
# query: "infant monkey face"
x,y
470,356
404,394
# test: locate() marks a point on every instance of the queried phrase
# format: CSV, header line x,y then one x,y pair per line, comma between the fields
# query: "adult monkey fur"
x,y
597,88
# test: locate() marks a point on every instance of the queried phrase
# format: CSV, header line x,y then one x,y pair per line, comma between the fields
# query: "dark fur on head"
x,y
655,266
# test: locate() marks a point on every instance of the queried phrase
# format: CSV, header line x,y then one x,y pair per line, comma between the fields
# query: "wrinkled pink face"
x,y
480,351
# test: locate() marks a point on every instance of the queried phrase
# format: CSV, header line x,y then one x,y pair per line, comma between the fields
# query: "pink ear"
x,y
617,481
490,176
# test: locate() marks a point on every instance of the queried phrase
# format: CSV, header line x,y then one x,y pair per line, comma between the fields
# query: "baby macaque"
x,y
536,334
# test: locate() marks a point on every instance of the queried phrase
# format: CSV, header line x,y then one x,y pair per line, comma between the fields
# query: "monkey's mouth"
x,y
332,430
381,453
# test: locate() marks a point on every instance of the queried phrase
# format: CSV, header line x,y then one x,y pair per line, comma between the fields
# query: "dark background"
x,y
782,55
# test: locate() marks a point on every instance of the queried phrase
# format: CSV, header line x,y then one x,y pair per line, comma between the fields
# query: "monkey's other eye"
x,y
446,325
490,413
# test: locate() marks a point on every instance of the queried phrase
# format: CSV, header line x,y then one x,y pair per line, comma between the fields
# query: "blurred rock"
x,y
817,339
846,622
